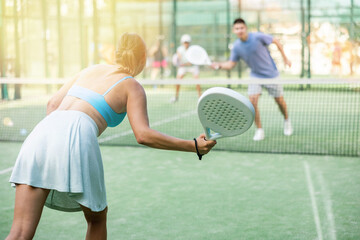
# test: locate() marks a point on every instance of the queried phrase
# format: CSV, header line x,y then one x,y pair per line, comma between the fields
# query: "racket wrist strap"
x,y
197,150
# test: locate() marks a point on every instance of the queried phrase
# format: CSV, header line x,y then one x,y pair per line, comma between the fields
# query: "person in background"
x,y
184,66
252,47
158,53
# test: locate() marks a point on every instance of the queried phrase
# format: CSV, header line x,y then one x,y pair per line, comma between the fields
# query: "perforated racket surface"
x,y
197,55
224,113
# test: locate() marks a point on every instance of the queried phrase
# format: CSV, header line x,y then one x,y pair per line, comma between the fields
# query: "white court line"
x,y
6,170
328,206
158,123
313,201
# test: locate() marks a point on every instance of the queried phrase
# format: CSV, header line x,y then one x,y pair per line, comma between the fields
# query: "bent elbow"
x,y
51,106
144,137
141,138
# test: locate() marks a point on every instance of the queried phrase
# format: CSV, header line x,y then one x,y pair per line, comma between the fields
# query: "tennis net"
x,y
325,114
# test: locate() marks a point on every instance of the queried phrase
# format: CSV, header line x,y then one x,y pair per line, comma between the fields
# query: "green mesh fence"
x,y
325,115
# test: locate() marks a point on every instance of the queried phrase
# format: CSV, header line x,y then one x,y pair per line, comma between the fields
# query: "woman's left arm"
x,y
138,118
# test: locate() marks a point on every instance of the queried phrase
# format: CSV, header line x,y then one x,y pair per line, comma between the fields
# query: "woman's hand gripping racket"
x,y
224,113
197,55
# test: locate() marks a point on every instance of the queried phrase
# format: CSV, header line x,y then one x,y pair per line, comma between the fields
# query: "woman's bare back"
x,y
99,78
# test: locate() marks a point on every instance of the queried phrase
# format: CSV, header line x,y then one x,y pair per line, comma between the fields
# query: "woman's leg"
x,y
96,224
29,203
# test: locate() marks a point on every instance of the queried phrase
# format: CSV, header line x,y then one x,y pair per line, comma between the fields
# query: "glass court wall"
x,y
57,38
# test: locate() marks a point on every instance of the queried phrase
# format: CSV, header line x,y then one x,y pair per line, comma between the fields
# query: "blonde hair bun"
x,y
130,55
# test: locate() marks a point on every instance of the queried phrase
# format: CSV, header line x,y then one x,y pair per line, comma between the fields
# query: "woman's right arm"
x,y
55,101
138,117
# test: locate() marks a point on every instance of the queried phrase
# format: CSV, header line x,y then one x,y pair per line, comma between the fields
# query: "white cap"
x,y
185,38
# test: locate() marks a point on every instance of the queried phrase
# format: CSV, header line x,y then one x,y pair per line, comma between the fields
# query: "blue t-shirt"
x,y
254,51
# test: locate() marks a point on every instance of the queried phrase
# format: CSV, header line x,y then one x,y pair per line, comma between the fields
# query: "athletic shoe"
x,y
288,130
259,135
173,100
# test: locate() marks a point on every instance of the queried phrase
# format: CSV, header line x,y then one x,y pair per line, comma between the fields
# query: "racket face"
x,y
225,112
197,55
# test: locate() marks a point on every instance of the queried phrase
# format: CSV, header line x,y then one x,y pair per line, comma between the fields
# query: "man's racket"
x,y
224,113
197,55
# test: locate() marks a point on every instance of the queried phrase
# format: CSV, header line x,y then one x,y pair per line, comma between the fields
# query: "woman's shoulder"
x,y
92,68
101,73
133,87
102,66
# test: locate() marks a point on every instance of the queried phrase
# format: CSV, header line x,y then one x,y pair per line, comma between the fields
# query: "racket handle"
x,y
207,133
210,136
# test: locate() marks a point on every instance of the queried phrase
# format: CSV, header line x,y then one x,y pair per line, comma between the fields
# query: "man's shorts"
x,y
274,90
190,69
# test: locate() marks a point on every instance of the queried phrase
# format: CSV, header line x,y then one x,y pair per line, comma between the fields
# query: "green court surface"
x,y
155,194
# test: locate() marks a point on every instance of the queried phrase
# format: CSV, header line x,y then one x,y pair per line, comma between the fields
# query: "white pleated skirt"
x,y
62,154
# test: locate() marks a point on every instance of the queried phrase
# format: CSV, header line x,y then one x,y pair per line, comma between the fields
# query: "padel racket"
x,y
197,55
224,113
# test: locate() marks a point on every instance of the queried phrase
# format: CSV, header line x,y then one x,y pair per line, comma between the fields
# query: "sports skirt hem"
x,y
62,154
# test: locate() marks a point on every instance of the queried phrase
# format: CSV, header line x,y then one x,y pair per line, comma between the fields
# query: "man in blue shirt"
x,y
253,49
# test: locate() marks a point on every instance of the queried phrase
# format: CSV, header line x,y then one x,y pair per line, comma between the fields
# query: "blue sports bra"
x,y
97,100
